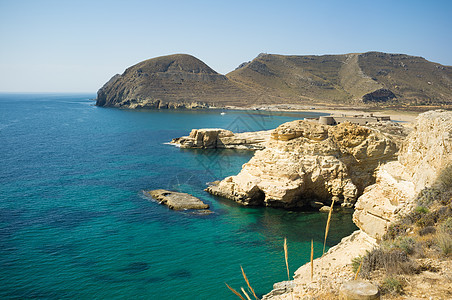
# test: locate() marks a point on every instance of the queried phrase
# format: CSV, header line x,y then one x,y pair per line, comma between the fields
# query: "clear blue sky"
x,y
76,46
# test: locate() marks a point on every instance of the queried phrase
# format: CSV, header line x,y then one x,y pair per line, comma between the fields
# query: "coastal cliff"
x,y
305,162
423,154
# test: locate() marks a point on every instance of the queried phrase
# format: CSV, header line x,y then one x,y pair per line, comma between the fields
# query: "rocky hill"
x,y
174,81
183,81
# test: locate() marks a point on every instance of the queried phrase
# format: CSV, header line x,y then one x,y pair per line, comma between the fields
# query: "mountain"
x,y
174,81
373,78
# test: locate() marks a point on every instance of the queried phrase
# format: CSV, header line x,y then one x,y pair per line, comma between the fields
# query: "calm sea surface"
x,y
74,223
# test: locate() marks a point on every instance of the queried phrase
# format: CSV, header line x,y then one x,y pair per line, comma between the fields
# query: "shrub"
x,y
421,210
406,244
391,285
395,230
444,237
427,230
427,219
392,262
428,196
356,262
445,177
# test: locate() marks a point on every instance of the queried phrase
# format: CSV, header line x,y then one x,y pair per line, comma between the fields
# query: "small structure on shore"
x,y
362,119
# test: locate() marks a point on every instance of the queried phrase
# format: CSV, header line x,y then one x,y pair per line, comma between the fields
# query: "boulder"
x,y
359,290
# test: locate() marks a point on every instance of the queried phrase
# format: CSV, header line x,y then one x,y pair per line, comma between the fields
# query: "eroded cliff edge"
x,y
425,151
305,161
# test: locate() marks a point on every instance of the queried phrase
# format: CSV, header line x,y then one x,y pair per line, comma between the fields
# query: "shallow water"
x,y
75,224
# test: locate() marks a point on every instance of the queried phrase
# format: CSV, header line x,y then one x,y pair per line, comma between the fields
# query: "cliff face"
x,y
305,161
426,150
183,81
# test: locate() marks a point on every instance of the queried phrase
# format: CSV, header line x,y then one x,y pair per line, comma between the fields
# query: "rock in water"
x,y
176,200
306,160
213,138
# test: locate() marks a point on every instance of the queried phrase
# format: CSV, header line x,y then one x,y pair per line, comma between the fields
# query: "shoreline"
x,y
398,116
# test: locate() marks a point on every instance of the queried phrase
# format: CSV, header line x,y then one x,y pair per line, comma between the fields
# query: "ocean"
x,y
74,223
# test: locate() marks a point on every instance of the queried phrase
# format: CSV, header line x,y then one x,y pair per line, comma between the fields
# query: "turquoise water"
x,y
74,223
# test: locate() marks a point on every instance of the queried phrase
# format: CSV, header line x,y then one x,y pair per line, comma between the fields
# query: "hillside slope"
x,y
183,81
174,81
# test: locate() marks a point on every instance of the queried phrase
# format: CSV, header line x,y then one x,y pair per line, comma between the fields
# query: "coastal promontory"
x,y
305,161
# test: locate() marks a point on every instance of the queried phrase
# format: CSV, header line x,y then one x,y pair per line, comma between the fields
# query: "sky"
x,y
76,46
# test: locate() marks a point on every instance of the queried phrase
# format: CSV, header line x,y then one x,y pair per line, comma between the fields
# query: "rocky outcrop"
x,y
305,160
425,151
213,138
176,200
380,95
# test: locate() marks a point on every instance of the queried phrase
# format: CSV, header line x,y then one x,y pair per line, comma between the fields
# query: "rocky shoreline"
x,y
377,169
305,161
423,154
215,138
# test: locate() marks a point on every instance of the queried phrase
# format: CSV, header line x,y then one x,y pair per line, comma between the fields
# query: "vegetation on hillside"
x,y
411,243
373,78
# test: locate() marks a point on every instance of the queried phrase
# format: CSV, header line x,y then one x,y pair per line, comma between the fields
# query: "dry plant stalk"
x,y
245,293
328,225
287,258
312,259
248,283
234,291
359,269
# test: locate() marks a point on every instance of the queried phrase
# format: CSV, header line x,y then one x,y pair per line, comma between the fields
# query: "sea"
x,y
75,224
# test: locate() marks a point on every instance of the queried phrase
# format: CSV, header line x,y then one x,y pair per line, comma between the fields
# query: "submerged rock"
x,y
305,161
176,200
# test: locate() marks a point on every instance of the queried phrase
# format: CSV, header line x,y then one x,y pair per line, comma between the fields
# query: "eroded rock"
x,y
425,151
213,138
305,161
176,200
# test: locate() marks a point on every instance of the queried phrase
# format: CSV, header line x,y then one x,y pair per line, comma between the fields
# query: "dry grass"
x,y
312,259
235,292
328,225
286,256
248,283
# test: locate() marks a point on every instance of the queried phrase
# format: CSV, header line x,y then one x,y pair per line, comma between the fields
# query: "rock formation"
x,y
176,200
306,160
213,138
426,150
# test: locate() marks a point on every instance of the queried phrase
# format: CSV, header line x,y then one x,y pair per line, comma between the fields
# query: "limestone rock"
x,y
213,138
359,290
425,151
176,200
305,161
